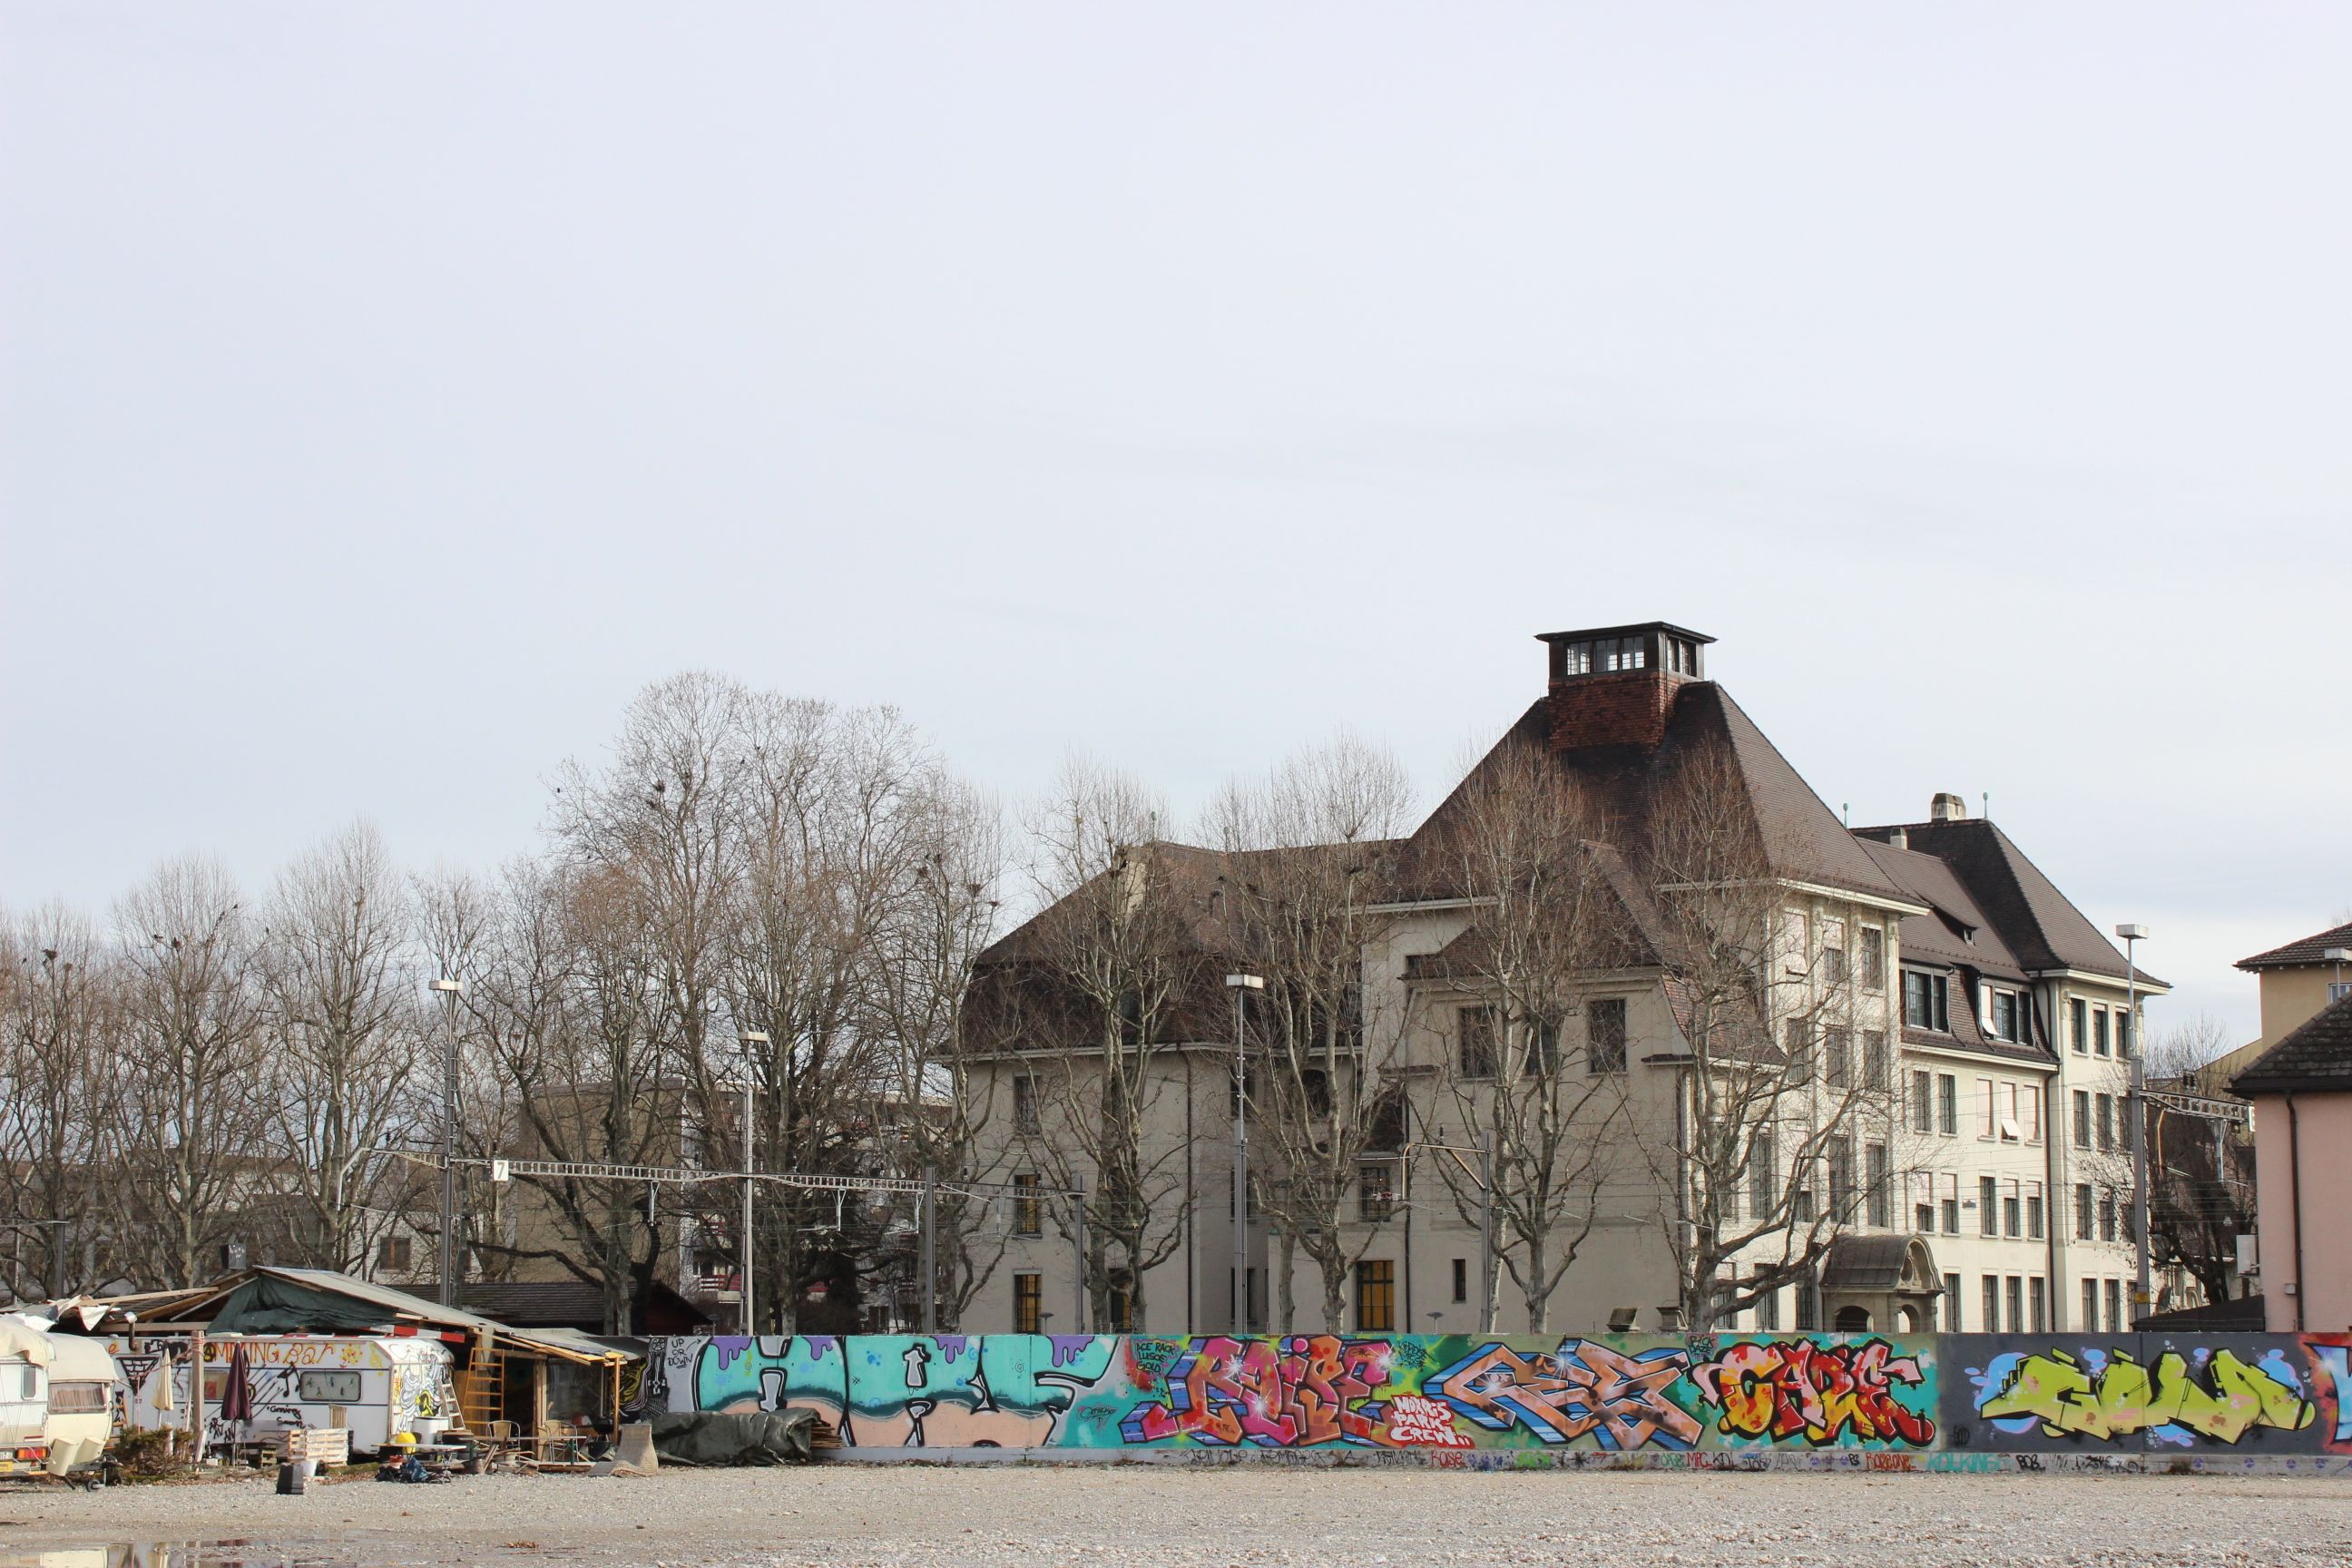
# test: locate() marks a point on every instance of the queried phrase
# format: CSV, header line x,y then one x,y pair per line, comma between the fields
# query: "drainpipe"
x,y
2295,1199
2057,1203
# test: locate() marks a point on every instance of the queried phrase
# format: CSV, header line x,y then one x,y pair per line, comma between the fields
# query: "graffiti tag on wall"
x,y
1822,1394
1582,1387
2103,1394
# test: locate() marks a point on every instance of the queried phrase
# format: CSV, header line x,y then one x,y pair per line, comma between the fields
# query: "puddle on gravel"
x,y
239,1554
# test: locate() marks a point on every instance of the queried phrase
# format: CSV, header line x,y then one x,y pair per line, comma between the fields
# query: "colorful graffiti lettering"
x,y
2118,1398
1582,1387
1415,1422
1286,1393
955,1390
1825,1393
2333,1364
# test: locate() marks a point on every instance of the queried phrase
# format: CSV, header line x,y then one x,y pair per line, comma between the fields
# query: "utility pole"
x,y
449,989
930,1264
751,1137
1239,985
1486,1233
2142,1297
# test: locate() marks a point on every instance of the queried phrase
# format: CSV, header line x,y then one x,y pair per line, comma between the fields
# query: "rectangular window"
x,y
1985,1113
1543,1049
1763,1177
1923,1102
1028,1210
1951,1205
1948,1105
2106,1213
1808,1306
1768,1309
1028,1303
2083,1221
1992,1303
1833,952
1794,946
2337,989
2012,1212
1874,957
1951,1303
2115,1306
2016,1304
395,1253
2098,1031
1798,1034
2030,1112
1988,1205
1880,1173
2090,1306
1024,1103
2123,1033
1926,1002
1837,1049
316,1387
2010,1130
1874,1071
2005,1016
1800,1198
1923,1208
1477,1041
1842,1180
1605,1035
2078,1024
1375,1193
2107,1103
1576,659
1376,1296
1462,1280
2082,1118
2033,1218
2038,1302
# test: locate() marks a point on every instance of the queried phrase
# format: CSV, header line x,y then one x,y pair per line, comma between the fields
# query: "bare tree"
x,y
2200,1159
1308,853
58,1020
340,1006
1537,1067
1098,992
1767,1152
188,1142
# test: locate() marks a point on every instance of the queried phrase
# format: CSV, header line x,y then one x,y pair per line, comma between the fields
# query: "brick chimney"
x,y
1615,686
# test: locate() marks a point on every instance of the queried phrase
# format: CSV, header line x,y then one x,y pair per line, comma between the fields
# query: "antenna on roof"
x,y
1987,798
1845,814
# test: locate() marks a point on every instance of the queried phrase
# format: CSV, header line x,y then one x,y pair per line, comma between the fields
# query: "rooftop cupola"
x,y
1613,686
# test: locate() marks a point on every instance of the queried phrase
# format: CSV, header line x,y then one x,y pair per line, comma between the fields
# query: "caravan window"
x,y
32,1382
329,1388
77,1398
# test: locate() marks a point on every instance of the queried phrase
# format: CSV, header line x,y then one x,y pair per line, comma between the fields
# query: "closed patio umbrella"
x,y
237,1393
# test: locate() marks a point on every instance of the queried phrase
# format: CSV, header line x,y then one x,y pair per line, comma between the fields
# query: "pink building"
x,y
2302,1090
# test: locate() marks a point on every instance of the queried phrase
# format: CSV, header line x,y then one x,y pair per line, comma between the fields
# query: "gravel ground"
x,y
848,1516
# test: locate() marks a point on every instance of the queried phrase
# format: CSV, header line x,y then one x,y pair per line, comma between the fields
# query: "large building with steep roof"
x,y
1956,1017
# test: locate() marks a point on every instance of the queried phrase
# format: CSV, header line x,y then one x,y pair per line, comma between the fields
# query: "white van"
x,y
55,1398
372,1386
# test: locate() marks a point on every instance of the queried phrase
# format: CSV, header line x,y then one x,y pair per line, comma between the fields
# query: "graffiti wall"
x,y
1871,1396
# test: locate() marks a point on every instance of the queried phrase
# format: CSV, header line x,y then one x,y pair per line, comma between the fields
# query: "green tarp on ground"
x,y
765,1437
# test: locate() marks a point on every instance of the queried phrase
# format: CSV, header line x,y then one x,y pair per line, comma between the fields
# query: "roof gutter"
x,y
2294,1198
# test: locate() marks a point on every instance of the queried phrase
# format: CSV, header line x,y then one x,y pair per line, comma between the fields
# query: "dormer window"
x,y
2008,1016
1926,1002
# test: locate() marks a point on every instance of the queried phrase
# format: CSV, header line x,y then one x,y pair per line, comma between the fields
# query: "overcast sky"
x,y
392,390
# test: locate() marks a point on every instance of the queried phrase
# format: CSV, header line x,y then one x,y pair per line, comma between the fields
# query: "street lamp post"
x,y
1239,985
2142,1297
449,989
751,1083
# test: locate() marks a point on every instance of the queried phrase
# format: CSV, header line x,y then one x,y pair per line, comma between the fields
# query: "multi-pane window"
x,y
1808,1306
1833,967
1948,1105
1375,1192
1028,1303
1985,1113
1763,1177
1024,1103
1768,1309
2123,1033
1923,1206
1476,1041
1926,1001
2016,1304
1874,1059
1543,1049
1028,1208
2098,1031
2078,1024
1951,1303
2107,1103
1880,1173
2090,1306
2115,1306
2012,1212
2038,1296
2082,1118
2010,1130
1951,1206
2106,1213
1837,1050
2082,1220
1840,1179
1874,957
2034,1220
1376,1296
395,1252
1798,1034
1988,1205
1992,1303
1462,1280
2006,1017
1923,1102
1605,1035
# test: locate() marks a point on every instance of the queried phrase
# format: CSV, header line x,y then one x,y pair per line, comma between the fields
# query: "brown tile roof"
x,y
1955,932
2317,1056
2039,924
2306,951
